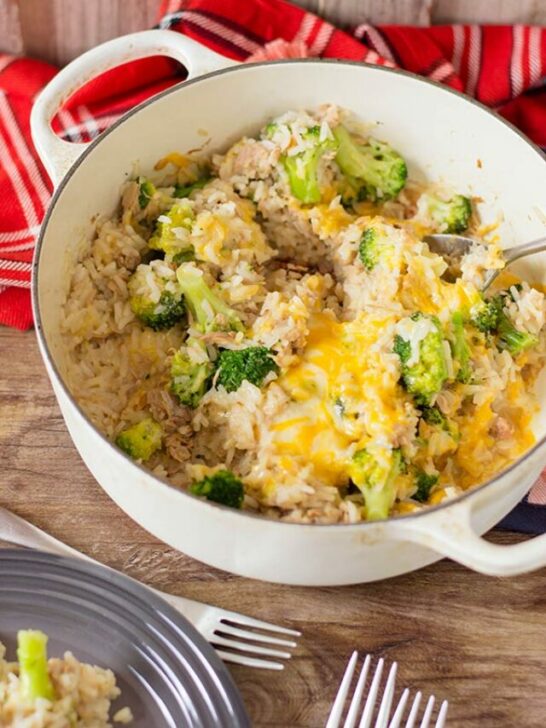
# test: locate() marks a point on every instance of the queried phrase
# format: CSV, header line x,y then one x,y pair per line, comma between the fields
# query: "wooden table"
x,y
480,642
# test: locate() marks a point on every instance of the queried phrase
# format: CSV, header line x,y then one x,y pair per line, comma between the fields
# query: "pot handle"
x,y
58,155
451,532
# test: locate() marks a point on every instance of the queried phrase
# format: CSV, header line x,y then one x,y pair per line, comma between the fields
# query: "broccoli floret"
x,y
449,216
460,349
190,379
489,316
221,487
252,364
270,130
155,296
423,483
433,416
302,168
208,311
380,170
146,190
485,315
173,229
512,339
186,190
33,673
140,441
376,481
425,377
373,246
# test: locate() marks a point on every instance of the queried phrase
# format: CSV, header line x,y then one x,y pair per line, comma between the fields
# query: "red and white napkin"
x,y
504,67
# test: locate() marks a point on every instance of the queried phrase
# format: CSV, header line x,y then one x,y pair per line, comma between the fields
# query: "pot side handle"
x,y
58,155
450,532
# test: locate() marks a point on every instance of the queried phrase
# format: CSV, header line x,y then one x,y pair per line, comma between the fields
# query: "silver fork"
x,y
233,635
382,717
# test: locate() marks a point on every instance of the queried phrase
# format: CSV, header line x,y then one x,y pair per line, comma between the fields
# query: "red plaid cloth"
x,y
503,67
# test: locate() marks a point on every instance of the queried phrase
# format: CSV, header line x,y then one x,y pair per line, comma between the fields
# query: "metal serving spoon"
x,y
453,247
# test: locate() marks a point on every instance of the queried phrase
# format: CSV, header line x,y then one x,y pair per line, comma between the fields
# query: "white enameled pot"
x,y
442,135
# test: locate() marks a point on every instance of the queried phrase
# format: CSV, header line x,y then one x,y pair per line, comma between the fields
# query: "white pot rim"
x,y
242,68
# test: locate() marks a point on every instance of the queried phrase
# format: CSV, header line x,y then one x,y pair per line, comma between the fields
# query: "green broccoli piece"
x,y
373,246
190,379
460,349
155,296
490,317
380,170
173,229
512,339
426,377
376,481
186,190
270,130
433,416
424,483
252,364
33,674
146,190
449,216
485,315
208,311
221,487
140,441
302,168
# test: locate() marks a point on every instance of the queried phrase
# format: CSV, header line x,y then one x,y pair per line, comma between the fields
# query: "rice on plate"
x,y
267,329
57,693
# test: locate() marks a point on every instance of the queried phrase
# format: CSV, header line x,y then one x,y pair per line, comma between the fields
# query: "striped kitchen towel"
x,y
504,67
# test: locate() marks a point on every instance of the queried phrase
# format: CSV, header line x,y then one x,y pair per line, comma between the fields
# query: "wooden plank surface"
x,y
477,641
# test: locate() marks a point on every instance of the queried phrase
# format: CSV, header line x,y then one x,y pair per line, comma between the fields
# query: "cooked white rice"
x,y
84,694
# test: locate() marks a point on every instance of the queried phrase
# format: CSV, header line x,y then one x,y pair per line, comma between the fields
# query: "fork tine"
x,y
441,719
249,661
248,634
385,707
372,696
243,621
223,642
350,720
399,712
428,712
414,709
334,718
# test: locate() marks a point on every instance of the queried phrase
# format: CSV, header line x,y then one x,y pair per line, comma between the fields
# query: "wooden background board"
x,y
59,30
478,641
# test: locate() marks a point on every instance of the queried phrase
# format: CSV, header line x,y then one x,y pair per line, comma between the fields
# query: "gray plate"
x,y
168,674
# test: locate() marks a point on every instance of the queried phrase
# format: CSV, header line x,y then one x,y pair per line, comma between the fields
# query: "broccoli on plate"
x,y
186,190
33,673
375,166
376,481
221,487
252,364
155,296
140,441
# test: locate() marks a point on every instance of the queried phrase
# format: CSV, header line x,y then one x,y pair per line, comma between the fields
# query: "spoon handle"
x,y
520,251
